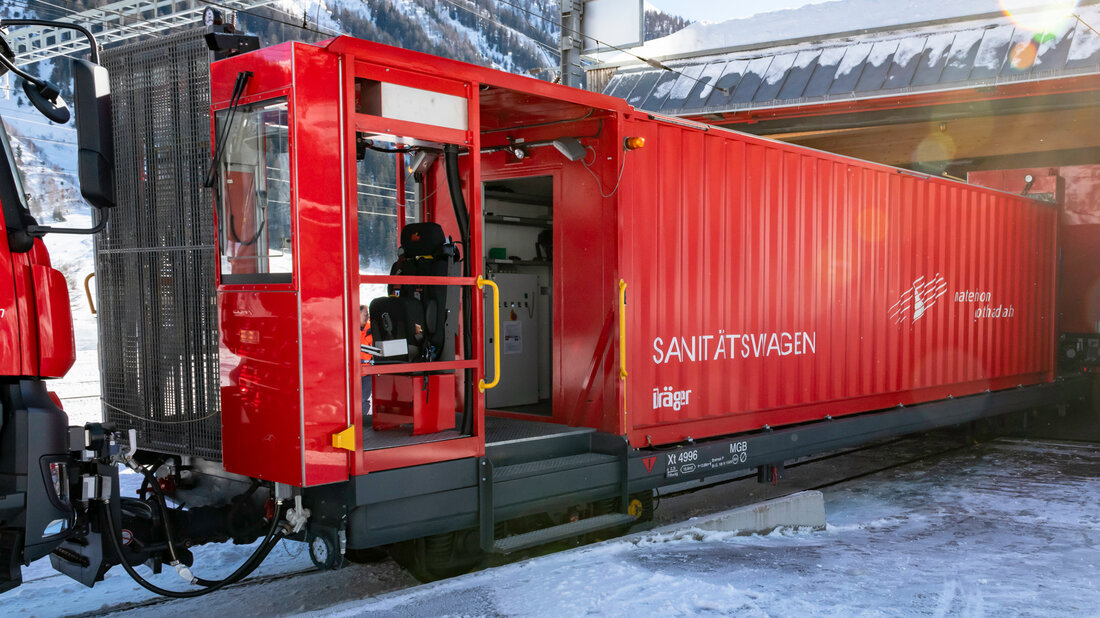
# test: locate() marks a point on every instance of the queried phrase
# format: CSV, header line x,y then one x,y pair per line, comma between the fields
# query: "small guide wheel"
x,y
324,549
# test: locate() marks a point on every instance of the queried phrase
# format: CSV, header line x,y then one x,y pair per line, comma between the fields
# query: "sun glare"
x,y
1039,15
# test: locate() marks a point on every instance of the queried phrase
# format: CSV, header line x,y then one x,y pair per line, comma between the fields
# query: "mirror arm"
x,y
42,230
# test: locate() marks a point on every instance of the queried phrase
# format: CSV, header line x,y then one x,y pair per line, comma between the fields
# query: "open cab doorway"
x,y
402,321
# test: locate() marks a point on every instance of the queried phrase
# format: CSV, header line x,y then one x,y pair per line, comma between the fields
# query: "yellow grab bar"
x,y
88,291
481,385
622,329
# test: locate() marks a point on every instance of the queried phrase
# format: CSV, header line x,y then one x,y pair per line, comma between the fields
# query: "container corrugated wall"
x,y
770,284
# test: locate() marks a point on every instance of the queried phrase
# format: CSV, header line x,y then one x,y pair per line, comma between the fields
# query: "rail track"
x,y
819,472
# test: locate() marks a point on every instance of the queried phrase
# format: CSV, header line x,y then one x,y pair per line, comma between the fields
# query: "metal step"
x,y
509,441
546,466
572,529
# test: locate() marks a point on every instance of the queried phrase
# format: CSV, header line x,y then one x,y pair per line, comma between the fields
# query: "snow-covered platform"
x,y
1003,528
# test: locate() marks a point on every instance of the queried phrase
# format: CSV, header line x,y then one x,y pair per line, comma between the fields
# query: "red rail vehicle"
x,y
587,302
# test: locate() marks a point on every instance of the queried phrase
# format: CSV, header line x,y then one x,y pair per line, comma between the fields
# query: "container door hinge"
x,y
344,439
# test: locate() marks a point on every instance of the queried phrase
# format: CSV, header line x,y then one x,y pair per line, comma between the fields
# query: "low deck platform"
x,y
498,432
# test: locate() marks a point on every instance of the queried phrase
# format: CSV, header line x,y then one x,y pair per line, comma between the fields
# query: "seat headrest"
x,y
419,239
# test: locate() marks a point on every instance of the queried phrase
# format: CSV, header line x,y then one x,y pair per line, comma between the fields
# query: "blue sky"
x,y
721,10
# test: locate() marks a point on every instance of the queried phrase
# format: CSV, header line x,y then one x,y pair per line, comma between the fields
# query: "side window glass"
x,y
254,214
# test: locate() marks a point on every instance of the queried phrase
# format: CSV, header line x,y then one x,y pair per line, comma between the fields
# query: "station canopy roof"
x,y
988,51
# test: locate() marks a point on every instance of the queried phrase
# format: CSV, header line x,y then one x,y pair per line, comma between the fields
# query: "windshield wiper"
x,y
219,146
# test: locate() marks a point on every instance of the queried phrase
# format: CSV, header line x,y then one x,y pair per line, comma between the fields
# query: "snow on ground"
x,y
1003,528
1007,528
43,587
72,255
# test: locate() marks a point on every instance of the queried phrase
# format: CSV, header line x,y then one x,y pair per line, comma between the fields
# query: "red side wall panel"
x,y
56,341
320,227
769,285
259,360
10,360
284,377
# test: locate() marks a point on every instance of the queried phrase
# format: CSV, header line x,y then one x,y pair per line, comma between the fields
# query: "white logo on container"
x,y
668,398
917,300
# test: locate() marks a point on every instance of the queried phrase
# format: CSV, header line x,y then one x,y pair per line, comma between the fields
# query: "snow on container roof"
x,y
972,52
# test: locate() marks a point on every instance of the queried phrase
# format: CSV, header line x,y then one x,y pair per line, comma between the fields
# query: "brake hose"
x,y
158,494
269,542
162,503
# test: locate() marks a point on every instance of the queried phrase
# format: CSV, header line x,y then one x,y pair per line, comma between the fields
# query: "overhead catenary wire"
x,y
302,26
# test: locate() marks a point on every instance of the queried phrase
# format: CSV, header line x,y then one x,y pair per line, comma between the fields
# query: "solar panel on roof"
x,y
774,78
799,75
751,80
991,52
723,90
822,78
1084,49
1019,59
681,88
1055,47
877,66
850,68
926,58
960,58
933,59
621,84
660,91
906,58
643,88
706,84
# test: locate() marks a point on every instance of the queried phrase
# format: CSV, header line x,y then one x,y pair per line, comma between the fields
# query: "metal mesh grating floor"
x,y
158,322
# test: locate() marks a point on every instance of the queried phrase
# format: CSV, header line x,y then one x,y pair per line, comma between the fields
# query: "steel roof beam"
x,y
112,23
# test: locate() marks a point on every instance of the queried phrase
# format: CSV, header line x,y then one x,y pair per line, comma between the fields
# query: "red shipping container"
x,y
769,284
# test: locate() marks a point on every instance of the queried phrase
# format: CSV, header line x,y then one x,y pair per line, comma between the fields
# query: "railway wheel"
x,y
369,555
439,556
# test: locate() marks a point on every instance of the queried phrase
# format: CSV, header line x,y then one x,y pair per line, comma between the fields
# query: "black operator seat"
x,y
419,313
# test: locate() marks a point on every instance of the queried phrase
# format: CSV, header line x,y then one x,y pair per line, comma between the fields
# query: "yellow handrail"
x,y
481,385
88,291
622,329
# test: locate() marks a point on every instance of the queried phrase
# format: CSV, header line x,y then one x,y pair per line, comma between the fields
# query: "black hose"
x,y
158,493
243,571
462,218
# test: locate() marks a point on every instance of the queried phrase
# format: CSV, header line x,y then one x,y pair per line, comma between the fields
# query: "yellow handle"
x,y
481,385
88,291
622,329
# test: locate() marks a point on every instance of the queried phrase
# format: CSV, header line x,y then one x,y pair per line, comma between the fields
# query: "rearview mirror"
x,y
95,154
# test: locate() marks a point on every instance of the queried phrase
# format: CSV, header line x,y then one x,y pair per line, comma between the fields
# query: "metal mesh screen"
x,y
158,322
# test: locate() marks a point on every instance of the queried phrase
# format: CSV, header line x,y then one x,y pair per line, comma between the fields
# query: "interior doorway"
x,y
519,258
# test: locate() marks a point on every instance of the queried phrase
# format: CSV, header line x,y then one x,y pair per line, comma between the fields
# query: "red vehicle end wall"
x,y
1079,235
770,285
36,327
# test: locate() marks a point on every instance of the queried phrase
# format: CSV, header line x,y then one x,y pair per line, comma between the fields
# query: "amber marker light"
x,y
634,143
